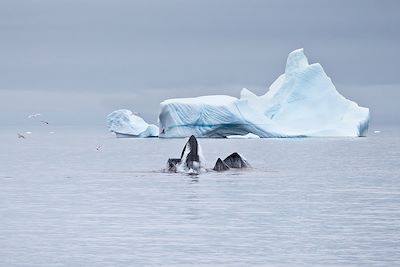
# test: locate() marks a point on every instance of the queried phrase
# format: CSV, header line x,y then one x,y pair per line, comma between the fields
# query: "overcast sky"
x,y
76,61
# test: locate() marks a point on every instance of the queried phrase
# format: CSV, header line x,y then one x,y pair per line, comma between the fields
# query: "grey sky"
x,y
76,61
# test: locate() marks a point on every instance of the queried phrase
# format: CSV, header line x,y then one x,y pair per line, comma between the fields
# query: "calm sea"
x,y
85,198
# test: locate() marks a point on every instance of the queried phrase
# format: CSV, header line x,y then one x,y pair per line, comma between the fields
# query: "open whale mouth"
x,y
190,161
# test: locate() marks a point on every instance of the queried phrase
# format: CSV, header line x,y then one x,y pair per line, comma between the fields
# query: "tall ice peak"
x,y
246,93
296,60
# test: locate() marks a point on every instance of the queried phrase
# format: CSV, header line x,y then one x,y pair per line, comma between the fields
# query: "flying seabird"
x,y
34,115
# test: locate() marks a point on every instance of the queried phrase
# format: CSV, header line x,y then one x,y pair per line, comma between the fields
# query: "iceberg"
x,y
302,102
126,124
246,136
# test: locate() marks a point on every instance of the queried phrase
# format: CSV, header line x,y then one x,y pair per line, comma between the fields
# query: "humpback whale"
x,y
171,164
236,161
190,153
191,160
220,166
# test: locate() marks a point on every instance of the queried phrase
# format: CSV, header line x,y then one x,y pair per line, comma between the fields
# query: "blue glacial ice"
x,y
301,102
126,124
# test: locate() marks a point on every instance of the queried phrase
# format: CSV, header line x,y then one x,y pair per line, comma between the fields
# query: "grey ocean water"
x,y
306,202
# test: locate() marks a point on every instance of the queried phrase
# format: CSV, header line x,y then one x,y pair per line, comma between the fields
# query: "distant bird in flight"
x,y
34,115
21,136
98,148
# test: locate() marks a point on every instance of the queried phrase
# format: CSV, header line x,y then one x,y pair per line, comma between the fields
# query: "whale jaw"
x,y
220,166
190,159
171,164
236,161
190,154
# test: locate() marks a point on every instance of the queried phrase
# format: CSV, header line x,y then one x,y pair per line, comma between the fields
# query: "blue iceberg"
x,y
301,102
126,124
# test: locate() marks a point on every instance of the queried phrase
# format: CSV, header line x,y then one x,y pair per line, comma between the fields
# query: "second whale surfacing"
x,y
234,161
191,160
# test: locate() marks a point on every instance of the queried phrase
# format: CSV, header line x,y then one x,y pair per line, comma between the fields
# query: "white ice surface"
x,y
246,136
126,124
301,102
